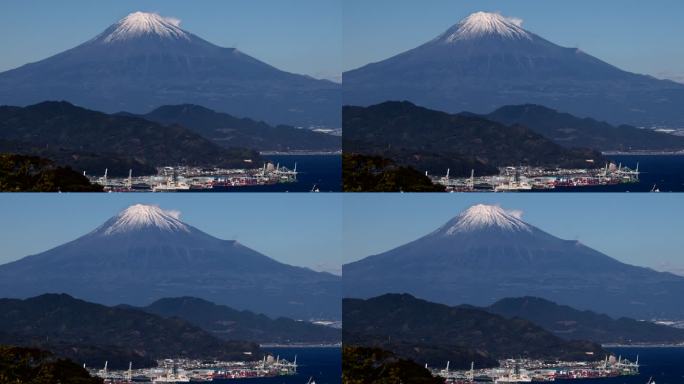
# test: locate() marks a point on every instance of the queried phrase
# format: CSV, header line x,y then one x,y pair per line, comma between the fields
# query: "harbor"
x,y
198,371
183,178
535,371
525,178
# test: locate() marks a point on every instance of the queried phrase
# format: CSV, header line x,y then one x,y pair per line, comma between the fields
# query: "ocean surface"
x,y
323,171
666,172
664,364
321,363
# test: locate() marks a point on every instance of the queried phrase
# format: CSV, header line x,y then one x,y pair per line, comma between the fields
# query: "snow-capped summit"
x,y
139,24
482,24
483,216
141,216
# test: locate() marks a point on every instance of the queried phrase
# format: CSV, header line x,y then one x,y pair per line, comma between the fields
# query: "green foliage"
x,y
376,174
33,174
375,366
34,366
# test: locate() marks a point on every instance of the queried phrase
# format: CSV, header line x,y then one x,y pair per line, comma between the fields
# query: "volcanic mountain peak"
x,y
483,216
483,24
141,216
139,24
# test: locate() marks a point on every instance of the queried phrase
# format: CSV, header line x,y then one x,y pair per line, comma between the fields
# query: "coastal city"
x,y
189,370
183,178
530,370
525,178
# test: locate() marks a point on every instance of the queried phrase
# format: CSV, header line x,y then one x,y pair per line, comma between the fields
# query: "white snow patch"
x,y
142,23
482,216
481,24
140,216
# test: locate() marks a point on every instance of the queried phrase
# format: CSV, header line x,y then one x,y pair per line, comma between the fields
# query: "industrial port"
x,y
524,178
197,371
529,370
182,178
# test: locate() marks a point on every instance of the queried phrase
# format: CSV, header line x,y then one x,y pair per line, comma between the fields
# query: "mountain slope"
x,y
85,332
145,253
229,131
54,129
227,323
487,61
145,61
486,254
569,323
434,333
570,131
431,140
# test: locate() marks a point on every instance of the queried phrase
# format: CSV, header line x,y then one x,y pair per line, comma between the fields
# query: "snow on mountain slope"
x,y
482,216
138,24
480,24
140,216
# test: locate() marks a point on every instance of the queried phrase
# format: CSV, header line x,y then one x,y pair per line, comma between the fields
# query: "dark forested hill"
x,y
92,333
89,140
434,333
434,141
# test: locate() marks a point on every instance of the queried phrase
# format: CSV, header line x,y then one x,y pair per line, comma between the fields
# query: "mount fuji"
x,y
487,61
145,61
487,253
145,254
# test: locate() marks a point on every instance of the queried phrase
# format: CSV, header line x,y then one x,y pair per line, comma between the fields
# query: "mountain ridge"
x,y
91,333
65,132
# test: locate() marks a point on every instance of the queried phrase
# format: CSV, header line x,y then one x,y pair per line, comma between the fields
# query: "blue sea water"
x,y
324,364
323,171
664,171
664,364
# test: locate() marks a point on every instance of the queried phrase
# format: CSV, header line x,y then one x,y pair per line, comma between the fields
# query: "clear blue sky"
x,y
635,35
298,229
302,36
639,229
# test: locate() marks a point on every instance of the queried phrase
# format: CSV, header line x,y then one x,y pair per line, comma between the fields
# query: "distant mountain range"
x,y
229,131
92,141
487,61
487,253
571,132
145,61
434,141
433,333
144,254
230,324
572,324
91,333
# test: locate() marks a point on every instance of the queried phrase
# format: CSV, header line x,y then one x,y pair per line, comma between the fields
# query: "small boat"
x,y
311,381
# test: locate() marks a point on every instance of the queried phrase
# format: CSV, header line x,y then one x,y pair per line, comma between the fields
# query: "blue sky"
x,y
639,229
302,36
298,229
636,35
